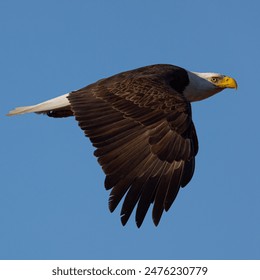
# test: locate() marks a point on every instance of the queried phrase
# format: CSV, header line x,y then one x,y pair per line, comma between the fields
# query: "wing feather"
x,y
144,136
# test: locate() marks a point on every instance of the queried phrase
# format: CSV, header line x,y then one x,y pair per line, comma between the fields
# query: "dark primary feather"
x,y
141,126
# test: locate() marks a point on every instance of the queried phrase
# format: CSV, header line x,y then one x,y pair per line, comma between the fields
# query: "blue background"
x,y
53,204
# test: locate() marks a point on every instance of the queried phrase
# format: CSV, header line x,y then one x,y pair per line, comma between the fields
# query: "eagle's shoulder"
x,y
158,87
159,74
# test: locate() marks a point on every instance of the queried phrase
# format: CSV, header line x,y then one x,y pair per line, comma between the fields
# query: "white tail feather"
x,y
55,103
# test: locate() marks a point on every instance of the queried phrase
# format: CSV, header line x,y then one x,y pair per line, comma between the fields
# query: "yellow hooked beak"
x,y
227,82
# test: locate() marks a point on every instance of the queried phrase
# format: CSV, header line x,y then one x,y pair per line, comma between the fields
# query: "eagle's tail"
x,y
56,107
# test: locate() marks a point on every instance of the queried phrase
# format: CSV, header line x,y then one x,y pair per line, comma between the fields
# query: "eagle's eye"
x,y
214,79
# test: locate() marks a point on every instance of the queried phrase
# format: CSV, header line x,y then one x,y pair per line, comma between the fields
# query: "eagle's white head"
x,y
204,85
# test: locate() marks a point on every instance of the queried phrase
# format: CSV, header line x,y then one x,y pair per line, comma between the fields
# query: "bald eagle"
x,y
140,123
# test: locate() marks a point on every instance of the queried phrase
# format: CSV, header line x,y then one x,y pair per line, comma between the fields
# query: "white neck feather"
x,y
199,87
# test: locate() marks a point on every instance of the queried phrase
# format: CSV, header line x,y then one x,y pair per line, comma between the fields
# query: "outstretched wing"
x,y
144,137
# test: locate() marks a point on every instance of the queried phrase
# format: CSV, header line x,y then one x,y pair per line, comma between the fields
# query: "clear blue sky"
x,y
53,204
